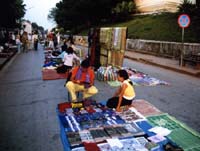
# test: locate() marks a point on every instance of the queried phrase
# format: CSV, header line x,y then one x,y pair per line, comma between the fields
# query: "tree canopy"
x,y
79,14
11,11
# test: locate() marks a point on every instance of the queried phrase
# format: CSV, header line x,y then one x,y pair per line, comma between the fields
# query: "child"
x,y
124,95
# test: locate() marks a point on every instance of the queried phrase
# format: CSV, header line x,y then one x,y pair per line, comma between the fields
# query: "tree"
x,y
36,27
11,12
76,15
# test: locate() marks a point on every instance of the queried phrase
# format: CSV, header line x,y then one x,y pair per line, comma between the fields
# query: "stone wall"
x,y
162,48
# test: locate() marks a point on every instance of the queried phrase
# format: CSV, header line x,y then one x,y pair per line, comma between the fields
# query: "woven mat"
x,y
181,134
145,108
51,74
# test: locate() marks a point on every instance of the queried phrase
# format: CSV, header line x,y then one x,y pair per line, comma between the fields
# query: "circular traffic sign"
x,y
184,20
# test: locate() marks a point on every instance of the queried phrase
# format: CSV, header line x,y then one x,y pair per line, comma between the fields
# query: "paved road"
x,y
28,118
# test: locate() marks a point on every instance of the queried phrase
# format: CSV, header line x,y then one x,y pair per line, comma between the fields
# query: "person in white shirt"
x,y
18,43
68,60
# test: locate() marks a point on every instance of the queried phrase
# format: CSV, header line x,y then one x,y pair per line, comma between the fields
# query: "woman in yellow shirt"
x,y
124,95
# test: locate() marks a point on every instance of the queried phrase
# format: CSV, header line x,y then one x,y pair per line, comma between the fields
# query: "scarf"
x,y
79,74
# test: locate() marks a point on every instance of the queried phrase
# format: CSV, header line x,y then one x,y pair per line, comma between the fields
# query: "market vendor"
x,y
82,79
124,94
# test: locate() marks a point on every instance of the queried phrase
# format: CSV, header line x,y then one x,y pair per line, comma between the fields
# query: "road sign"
x,y
184,20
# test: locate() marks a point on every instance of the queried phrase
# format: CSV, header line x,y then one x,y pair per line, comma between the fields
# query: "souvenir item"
x,y
131,115
112,132
90,146
134,129
123,131
99,134
73,138
86,136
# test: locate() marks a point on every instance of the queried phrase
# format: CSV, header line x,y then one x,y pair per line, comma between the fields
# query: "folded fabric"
x,y
91,147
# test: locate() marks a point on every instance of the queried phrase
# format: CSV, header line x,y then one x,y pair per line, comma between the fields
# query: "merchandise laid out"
x,y
51,74
184,137
107,46
89,125
50,65
138,78
107,73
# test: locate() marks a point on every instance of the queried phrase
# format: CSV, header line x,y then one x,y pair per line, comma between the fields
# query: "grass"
x,y
162,27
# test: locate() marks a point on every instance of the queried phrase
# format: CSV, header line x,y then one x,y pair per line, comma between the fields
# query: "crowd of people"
x,y
82,75
23,40
82,80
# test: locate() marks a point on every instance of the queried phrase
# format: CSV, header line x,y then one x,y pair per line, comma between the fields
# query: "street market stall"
x,y
89,125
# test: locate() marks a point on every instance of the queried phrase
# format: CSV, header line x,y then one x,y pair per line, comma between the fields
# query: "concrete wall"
x,y
162,48
157,48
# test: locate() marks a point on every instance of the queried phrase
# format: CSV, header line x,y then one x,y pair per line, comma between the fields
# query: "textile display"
x,y
181,134
128,144
139,78
116,45
113,45
107,73
93,124
116,58
51,74
145,108
106,37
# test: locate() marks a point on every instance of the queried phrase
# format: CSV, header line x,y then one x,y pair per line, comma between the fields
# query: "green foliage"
x,y
162,27
11,12
37,28
77,15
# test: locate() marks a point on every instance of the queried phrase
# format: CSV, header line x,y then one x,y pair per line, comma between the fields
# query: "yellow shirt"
x,y
129,93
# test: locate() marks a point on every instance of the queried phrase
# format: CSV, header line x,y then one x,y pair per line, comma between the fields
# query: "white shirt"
x,y
68,59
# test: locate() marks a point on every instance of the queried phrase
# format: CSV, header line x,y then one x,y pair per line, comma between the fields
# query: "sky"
x,y
38,10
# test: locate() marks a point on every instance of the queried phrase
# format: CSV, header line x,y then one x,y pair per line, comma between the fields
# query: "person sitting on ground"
x,y
82,79
68,60
124,95
64,48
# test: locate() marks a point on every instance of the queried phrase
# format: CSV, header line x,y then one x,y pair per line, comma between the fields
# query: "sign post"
x,y
183,21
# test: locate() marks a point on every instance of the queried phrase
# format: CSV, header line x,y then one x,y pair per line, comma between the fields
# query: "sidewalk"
x,y
166,63
5,60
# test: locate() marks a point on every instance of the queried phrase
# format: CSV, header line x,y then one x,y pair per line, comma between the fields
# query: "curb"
x,y
163,66
7,61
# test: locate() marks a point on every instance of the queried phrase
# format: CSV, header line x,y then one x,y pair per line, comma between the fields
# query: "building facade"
x,y
147,6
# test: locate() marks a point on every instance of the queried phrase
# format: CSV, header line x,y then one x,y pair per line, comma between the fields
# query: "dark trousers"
x,y
113,102
36,45
63,69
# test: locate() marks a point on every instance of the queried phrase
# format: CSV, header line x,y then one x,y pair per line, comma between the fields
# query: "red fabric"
x,y
63,106
51,74
91,146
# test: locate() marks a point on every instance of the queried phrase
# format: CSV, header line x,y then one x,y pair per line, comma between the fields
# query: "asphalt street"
x,y
28,119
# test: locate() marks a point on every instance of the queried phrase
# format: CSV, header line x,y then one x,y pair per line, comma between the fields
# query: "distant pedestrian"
x,y
24,40
18,43
35,41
